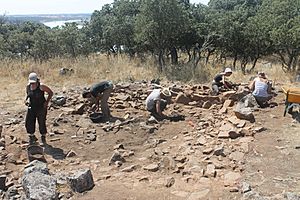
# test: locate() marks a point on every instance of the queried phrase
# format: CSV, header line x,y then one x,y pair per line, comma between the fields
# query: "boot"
x,y
43,138
32,139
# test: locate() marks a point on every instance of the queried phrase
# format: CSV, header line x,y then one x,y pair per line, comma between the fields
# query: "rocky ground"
x,y
217,152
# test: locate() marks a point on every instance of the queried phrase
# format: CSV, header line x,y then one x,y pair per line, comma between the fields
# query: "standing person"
x,y
157,101
220,81
100,91
261,88
37,107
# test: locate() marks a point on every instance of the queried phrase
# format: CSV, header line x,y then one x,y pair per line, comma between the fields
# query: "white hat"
x,y
228,70
166,92
32,78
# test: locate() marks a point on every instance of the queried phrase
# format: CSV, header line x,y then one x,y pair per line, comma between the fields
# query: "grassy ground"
x,y
119,68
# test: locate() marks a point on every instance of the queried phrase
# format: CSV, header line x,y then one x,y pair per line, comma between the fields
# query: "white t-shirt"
x,y
260,88
154,96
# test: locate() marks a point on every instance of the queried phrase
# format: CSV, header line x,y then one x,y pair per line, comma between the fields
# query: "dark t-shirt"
x,y
218,78
99,88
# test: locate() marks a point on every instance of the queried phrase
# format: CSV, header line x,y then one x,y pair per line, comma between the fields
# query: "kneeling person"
x,y
157,101
100,91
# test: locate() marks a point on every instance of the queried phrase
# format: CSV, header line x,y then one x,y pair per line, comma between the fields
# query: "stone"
x,y
292,196
199,195
244,113
71,153
116,157
231,178
207,105
236,156
59,100
168,163
36,166
228,103
37,183
91,137
259,129
169,182
233,134
129,168
219,151
208,150
223,110
223,134
151,167
79,109
245,187
3,182
182,99
210,171
201,140
81,181
182,194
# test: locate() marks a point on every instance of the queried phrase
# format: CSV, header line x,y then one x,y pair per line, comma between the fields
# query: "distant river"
x,y
53,24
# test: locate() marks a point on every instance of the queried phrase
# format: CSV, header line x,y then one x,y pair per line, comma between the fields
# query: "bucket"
x,y
96,117
36,152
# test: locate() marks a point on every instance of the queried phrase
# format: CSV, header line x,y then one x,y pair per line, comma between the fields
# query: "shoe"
x,y
43,138
32,140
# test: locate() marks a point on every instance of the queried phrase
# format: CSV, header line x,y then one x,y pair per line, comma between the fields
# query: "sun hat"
x,y
32,78
262,75
166,92
228,70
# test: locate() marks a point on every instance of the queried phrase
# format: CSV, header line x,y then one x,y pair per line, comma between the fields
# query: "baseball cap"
x,y
32,78
166,92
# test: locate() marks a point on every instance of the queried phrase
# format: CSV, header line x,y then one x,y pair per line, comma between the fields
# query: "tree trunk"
x,y
161,60
174,56
254,63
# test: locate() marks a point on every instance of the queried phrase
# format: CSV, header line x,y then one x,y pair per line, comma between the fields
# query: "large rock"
x,y
37,183
59,100
183,99
243,112
81,181
231,179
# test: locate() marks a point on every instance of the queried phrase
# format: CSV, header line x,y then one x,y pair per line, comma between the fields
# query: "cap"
x,y
32,78
166,92
228,70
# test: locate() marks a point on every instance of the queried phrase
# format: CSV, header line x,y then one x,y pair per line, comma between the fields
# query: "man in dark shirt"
x,y
220,81
100,91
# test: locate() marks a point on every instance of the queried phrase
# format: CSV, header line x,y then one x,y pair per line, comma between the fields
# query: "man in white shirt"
x,y
157,101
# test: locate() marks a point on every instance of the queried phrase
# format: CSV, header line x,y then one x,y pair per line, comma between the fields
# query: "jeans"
x,y
104,105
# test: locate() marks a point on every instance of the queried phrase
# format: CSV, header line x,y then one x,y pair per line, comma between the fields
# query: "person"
x,y
100,91
157,101
220,81
261,89
37,107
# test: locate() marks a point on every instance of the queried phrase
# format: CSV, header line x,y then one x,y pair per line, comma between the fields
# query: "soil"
x,y
270,165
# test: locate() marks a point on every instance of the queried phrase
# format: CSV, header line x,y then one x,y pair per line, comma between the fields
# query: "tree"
x,y
159,25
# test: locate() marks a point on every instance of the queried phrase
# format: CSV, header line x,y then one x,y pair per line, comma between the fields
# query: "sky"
x,y
23,7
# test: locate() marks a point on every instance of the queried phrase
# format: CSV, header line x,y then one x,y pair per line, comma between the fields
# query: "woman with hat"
x,y
37,107
261,89
220,81
157,101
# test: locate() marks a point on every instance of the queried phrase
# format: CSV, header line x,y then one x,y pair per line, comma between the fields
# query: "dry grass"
x,y
119,68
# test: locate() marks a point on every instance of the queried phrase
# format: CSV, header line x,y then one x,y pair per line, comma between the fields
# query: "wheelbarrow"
x,y
292,98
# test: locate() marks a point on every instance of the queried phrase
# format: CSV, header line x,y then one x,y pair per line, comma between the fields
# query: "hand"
x,y
26,103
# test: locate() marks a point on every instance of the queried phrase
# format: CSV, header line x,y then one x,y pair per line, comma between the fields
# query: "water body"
x,y
53,24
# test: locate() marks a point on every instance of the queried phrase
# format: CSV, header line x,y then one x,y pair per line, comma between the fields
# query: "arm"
x,y
252,85
49,92
158,110
224,82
